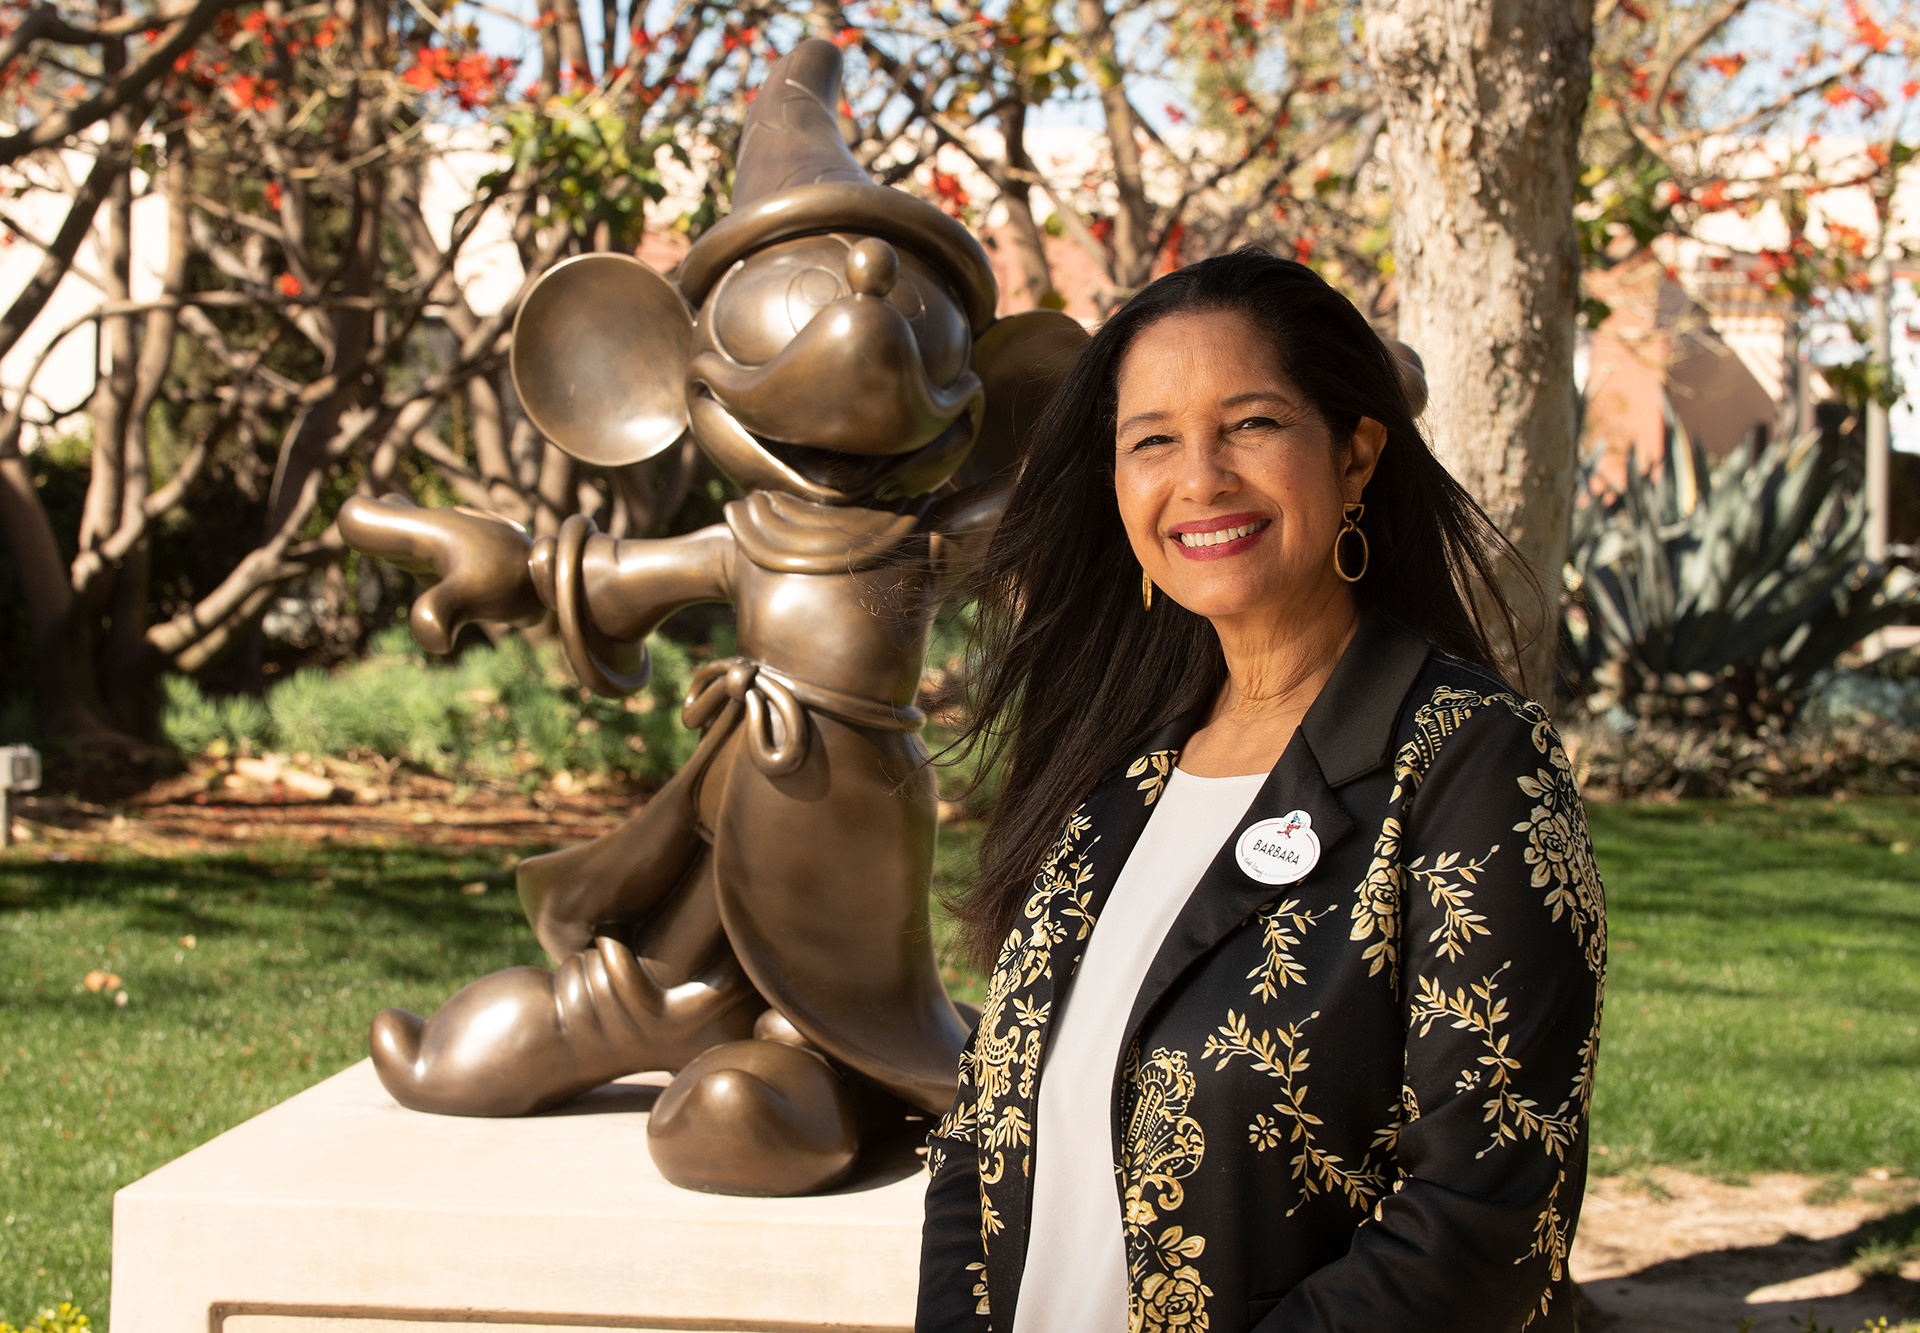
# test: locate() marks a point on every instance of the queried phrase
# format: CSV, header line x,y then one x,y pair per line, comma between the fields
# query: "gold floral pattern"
x,y
1158,766
1481,889
1377,905
1445,881
1162,1146
1003,1063
1281,928
1280,1054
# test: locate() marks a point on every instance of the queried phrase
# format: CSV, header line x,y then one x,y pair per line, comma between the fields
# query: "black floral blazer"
x,y
1355,1102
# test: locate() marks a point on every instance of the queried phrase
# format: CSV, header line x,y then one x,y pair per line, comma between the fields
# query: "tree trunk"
x,y
1132,244
1484,102
1016,191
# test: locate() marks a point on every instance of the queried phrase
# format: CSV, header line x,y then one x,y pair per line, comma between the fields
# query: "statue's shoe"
x,y
525,1040
756,1117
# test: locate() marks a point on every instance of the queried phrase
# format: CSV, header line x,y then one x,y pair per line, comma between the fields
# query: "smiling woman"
x,y
1286,805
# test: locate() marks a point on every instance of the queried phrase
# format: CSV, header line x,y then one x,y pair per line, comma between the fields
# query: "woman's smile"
x,y
1219,538
1229,481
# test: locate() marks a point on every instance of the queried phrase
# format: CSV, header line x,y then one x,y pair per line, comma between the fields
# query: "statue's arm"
x,y
964,523
481,567
629,585
475,564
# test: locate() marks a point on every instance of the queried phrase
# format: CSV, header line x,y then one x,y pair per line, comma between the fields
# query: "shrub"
x,y
1722,606
496,713
1653,760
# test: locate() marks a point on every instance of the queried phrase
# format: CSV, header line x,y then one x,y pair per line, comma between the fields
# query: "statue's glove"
x,y
474,562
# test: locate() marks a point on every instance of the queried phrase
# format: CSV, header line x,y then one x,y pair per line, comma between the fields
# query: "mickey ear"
x,y
1021,360
599,359
1413,375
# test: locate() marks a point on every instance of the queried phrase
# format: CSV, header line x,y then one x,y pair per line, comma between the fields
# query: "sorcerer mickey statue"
x,y
761,926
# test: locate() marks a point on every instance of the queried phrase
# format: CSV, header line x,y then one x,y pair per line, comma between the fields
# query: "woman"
x,y
1294,1028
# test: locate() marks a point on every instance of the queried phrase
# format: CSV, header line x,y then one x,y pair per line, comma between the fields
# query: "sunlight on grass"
x,y
1763,996
248,978
1763,1007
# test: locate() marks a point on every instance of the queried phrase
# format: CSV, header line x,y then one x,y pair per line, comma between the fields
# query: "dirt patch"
x,y
285,799
1663,1251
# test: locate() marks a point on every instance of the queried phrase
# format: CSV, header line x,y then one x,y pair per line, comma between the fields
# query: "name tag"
x,y
1279,851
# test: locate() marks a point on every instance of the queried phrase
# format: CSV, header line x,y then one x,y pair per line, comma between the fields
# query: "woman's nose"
x,y
1203,474
872,267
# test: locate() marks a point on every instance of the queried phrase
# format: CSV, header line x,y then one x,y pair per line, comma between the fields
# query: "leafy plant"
x,y
505,713
1663,762
598,164
1718,600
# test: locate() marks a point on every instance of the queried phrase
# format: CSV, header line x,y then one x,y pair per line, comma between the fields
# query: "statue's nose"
x,y
872,267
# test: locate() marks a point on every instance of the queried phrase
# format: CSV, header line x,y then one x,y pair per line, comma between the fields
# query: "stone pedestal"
x,y
339,1211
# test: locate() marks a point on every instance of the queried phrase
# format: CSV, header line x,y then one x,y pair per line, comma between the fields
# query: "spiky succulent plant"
x,y
1714,600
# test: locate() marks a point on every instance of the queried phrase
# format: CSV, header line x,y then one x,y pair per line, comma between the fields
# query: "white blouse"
x,y
1076,1256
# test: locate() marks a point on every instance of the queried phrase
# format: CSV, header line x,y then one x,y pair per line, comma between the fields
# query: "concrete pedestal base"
x,y
340,1212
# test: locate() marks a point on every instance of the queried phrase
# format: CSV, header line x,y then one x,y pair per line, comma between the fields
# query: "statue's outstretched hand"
x,y
474,562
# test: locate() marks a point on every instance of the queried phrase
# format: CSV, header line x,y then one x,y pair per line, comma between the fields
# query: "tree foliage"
x,y
311,338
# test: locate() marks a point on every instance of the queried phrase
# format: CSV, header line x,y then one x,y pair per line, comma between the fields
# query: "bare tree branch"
x,y
34,296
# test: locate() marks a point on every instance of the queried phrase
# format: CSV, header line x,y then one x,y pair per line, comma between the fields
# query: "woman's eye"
x,y
1258,423
1149,441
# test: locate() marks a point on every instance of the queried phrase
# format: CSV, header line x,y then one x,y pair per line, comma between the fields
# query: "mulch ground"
x,y
217,804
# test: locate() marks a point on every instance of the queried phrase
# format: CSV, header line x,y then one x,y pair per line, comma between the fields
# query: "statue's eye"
x,y
935,318
769,296
811,291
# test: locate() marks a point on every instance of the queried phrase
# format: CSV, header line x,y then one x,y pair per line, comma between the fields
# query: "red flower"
x,y
953,198
289,285
1865,31
273,195
472,80
248,93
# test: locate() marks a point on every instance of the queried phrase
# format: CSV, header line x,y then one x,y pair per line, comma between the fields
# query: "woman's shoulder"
x,y
1464,707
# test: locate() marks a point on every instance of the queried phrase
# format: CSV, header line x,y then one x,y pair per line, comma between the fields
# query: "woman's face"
x,y
1230,485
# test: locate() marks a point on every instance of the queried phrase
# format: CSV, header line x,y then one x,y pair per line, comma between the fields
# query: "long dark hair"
x,y
1067,670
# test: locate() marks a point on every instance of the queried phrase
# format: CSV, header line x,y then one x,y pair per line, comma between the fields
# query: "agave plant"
x,y
1715,600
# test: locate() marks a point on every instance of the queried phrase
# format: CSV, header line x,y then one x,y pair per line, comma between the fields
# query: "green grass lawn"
x,y
1763,995
293,950
1763,1008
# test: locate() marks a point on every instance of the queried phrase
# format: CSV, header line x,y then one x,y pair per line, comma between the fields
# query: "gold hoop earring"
x,y
1146,591
1350,523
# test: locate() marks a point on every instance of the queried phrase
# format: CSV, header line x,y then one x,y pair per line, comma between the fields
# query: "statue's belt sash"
x,y
775,706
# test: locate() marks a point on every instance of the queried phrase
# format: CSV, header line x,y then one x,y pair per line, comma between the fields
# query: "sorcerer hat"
x,y
796,177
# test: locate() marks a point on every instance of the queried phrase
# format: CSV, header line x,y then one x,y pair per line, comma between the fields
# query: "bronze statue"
x,y
761,926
